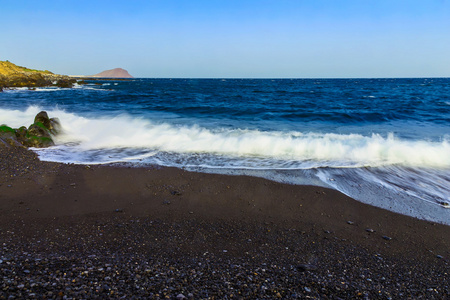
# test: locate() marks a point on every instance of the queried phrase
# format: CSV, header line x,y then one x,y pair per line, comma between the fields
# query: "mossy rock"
x,y
42,120
39,130
39,142
38,135
5,128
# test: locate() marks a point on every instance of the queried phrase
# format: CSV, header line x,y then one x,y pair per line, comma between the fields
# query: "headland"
x,y
12,75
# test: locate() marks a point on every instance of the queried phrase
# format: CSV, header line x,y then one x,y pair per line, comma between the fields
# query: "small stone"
x,y
307,289
175,193
387,238
181,296
439,256
118,210
350,222
370,230
306,267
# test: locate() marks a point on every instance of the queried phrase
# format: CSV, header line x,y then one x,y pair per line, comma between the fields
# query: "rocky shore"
x,y
12,76
110,232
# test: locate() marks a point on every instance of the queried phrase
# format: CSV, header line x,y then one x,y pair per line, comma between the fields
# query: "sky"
x,y
230,39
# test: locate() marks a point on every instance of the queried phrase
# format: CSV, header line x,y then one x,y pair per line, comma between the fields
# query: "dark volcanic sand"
x,y
69,231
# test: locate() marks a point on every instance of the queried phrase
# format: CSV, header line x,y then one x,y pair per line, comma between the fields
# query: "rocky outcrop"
x,y
12,75
39,134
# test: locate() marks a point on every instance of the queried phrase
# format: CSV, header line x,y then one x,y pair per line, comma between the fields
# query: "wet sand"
x,y
108,232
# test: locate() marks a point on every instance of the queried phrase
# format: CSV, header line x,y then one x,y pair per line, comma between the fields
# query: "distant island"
x,y
12,75
114,73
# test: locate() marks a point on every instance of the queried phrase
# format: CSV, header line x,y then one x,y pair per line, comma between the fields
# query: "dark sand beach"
x,y
83,232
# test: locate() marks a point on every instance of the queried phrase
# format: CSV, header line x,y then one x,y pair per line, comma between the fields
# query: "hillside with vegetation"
x,y
12,75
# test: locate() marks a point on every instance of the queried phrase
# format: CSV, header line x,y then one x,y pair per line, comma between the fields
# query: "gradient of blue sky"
x,y
227,38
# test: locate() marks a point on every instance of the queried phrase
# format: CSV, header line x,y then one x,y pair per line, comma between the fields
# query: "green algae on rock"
x,y
38,135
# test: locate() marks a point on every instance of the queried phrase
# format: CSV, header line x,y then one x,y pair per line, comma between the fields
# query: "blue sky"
x,y
227,38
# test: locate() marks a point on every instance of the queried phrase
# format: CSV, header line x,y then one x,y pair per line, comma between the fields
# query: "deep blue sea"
x,y
385,142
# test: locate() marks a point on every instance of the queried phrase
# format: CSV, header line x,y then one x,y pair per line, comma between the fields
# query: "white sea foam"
x,y
315,149
406,176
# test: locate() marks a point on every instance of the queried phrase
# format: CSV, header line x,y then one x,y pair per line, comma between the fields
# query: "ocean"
x,y
385,142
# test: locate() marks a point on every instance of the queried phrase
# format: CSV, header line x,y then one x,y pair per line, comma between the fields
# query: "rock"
x,y
306,267
8,137
370,230
21,133
387,238
39,134
55,126
65,83
444,204
43,118
37,129
39,142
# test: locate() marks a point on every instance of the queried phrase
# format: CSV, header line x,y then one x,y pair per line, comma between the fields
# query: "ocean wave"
x,y
314,149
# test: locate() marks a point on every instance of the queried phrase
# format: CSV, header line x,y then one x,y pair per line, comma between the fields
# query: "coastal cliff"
x,y
12,75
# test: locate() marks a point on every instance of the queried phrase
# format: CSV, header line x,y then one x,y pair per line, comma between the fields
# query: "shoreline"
x,y
309,240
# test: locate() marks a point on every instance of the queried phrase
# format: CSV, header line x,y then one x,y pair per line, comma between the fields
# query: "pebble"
x,y
370,230
350,222
306,267
387,238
